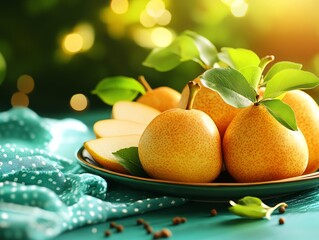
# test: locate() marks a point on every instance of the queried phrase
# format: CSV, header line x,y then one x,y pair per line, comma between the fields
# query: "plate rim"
x,y
306,177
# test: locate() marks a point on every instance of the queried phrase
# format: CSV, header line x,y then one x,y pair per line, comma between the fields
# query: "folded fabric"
x,y
43,189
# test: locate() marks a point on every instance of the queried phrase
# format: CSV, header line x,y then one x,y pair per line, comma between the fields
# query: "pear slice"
x,y
101,149
134,111
115,127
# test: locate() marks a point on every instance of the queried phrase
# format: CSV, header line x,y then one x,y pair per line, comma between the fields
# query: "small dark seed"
x,y
176,220
157,235
146,225
213,212
183,219
149,229
166,233
107,233
140,221
113,225
281,221
119,228
282,209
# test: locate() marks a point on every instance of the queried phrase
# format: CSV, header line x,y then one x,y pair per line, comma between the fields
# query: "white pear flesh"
x,y
134,111
102,149
115,127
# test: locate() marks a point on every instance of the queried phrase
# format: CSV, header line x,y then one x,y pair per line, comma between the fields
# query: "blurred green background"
x,y
59,49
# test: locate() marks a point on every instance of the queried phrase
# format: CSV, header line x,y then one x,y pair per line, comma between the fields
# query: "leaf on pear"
x,y
231,85
2,68
119,88
282,112
128,158
279,66
290,79
238,58
252,75
188,46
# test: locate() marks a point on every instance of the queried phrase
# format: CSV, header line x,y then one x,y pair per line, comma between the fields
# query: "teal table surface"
x,y
301,222
301,219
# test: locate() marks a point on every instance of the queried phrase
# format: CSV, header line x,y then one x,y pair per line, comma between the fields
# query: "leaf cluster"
x,y
238,75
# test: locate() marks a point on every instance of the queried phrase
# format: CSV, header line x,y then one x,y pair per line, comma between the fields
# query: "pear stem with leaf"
x,y
194,87
145,84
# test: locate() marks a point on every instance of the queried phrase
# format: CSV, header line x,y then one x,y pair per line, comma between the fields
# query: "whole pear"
x,y
307,115
161,98
211,103
256,147
182,145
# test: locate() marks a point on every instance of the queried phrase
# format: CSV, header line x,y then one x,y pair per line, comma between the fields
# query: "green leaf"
x,y
231,85
2,68
189,46
162,59
250,201
279,66
207,50
252,75
290,79
281,112
118,88
252,207
128,158
239,58
248,211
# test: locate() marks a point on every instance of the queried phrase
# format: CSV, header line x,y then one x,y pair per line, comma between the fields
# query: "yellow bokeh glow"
x,y
119,6
72,43
155,8
161,37
146,20
79,102
86,31
142,37
164,19
239,8
25,84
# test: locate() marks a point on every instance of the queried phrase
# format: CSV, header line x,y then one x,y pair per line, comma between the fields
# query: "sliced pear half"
x,y
134,111
102,149
115,127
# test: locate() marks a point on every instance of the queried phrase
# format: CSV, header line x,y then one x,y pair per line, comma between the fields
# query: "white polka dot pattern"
x,y
43,194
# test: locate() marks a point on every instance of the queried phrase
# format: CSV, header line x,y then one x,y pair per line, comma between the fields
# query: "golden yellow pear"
x,y
161,98
256,147
181,145
307,116
211,103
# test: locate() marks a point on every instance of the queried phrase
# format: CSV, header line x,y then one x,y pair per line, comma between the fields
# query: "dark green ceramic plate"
x,y
217,191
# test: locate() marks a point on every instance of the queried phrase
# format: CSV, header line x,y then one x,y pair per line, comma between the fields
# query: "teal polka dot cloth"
x,y
43,189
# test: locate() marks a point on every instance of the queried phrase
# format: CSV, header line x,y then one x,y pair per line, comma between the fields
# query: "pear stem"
x,y
194,87
145,84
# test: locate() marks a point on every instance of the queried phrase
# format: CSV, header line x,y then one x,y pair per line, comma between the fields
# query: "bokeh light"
x,y
146,20
162,37
19,99
86,31
25,84
79,102
155,8
72,43
239,8
119,6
